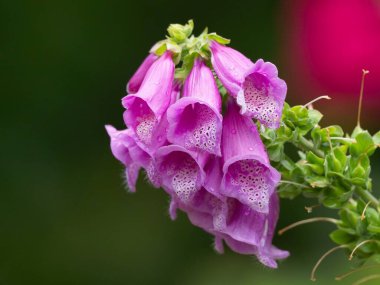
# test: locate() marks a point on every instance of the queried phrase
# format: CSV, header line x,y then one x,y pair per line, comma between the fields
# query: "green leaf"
x,y
341,237
374,229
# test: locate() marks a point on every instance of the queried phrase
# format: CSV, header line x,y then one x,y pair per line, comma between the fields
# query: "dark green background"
x,y
65,217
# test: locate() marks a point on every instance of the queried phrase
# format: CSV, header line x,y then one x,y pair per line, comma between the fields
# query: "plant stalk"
x,y
367,196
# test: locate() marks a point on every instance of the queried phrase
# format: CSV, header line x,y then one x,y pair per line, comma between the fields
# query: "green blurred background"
x,y
65,217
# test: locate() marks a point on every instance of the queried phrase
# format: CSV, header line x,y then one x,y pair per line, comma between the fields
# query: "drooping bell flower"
x,y
207,203
146,107
125,149
256,86
159,138
137,78
195,121
251,232
247,173
181,171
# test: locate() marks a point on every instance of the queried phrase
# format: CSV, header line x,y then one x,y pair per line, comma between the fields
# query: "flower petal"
x,y
181,171
230,66
264,94
248,175
138,77
149,104
195,121
125,149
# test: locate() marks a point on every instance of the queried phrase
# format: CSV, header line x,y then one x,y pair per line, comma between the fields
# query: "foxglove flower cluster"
x,y
203,147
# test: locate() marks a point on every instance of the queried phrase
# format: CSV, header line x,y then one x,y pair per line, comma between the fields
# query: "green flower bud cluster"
x,y
359,229
326,164
185,46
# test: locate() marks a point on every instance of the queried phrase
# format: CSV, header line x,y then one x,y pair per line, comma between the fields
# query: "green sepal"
x,y
376,139
159,48
349,217
219,39
288,191
335,196
276,152
332,164
187,64
317,181
314,159
301,119
372,217
364,145
315,117
374,229
356,131
316,168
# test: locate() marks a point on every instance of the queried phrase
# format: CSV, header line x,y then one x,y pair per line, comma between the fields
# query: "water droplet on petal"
x,y
233,131
251,148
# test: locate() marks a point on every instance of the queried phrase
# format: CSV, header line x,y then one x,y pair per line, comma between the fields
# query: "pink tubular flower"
x,y
181,171
244,230
195,121
125,149
251,232
146,108
247,173
256,86
207,208
135,82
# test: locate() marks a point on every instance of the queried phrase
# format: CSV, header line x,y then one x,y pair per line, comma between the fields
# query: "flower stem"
x,y
340,277
306,144
359,245
367,196
312,277
367,278
307,221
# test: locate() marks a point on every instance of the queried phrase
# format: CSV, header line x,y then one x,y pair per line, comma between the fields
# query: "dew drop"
x,y
233,131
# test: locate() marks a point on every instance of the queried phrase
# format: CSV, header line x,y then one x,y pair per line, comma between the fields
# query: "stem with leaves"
x,y
333,167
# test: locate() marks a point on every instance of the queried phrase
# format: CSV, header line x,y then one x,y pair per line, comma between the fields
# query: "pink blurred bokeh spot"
x,y
327,44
